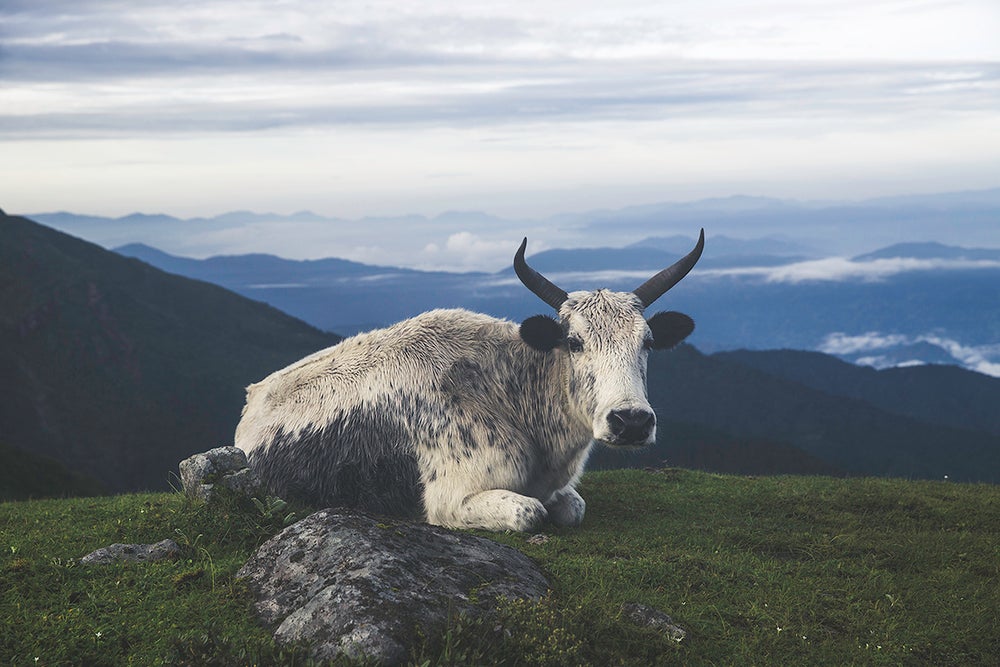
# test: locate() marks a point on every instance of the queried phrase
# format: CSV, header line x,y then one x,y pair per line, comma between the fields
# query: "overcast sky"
x,y
515,108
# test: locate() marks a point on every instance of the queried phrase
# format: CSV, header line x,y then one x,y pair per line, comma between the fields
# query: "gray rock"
x,y
649,617
222,467
346,583
136,553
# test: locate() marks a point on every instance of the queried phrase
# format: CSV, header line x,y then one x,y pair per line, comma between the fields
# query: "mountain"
x,y
937,394
931,250
461,240
915,313
602,259
118,370
332,294
727,246
843,431
838,227
257,269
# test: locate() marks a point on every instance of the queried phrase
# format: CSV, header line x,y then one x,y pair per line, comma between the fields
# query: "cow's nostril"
x,y
616,421
631,424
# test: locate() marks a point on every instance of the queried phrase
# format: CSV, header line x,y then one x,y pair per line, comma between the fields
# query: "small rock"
x,y
135,553
348,584
244,482
641,614
222,467
540,538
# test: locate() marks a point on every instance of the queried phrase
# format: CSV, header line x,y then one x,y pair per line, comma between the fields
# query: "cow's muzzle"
x,y
631,427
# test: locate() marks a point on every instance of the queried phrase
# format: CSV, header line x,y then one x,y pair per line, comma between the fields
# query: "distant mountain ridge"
x,y
261,268
723,245
929,314
816,228
931,250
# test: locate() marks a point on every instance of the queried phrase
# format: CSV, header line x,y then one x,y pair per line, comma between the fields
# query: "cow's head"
x,y
606,338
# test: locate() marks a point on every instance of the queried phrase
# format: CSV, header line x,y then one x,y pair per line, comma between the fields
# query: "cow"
x,y
461,419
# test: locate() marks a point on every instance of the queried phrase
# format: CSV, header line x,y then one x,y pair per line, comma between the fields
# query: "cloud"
x,y
578,105
466,251
843,344
834,269
841,269
981,358
92,70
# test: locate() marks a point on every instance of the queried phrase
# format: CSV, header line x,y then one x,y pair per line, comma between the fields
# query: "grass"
x,y
775,570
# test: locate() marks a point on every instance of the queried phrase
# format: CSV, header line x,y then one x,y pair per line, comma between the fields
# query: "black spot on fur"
x,y
362,458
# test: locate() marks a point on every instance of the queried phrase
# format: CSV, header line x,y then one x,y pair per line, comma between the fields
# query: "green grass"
x,y
779,570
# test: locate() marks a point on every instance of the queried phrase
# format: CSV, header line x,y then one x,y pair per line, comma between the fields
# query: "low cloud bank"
x,y
832,269
980,358
841,269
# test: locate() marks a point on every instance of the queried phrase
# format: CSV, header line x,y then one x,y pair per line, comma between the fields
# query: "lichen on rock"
x,y
136,553
202,475
346,583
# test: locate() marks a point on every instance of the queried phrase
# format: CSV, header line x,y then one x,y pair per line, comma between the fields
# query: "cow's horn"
x,y
535,281
655,287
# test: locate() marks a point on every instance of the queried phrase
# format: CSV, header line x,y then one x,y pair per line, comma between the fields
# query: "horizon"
x,y
474,240
440,213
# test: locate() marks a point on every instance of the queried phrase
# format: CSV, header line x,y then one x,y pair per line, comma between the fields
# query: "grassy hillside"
x,y
780,570
119,370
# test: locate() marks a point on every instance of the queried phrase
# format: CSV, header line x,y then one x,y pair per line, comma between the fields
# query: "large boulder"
x,y
347,583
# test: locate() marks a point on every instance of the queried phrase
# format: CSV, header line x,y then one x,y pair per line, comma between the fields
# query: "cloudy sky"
x,y
516,108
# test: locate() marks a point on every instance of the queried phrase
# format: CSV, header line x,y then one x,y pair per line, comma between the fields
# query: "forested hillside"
x,y
119,370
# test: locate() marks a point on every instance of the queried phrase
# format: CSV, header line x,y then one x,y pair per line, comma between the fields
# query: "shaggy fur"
x,y
451,417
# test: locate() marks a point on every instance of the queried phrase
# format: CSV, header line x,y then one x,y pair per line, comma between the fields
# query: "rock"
x,y
649,617
222,467
136,553
346,583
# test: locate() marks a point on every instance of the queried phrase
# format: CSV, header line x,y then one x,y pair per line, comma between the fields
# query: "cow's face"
x,y
605,340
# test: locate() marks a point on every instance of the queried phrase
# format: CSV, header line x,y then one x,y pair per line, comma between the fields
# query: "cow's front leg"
x,y
566,507
496,509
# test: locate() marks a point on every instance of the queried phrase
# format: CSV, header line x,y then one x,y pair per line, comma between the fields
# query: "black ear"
x,y
669,328
541,332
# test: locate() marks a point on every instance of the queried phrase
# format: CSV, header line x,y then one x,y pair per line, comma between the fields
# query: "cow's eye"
x,y
574,344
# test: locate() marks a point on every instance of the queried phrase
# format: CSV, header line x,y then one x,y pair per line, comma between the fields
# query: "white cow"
x,y
462,419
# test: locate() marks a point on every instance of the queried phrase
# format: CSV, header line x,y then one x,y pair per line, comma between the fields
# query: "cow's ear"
x,y
541,332
669,328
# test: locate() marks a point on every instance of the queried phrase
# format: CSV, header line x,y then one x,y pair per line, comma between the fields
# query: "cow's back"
x,y
339,427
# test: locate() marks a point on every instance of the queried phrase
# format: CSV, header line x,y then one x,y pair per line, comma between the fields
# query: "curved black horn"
x,y
655,287
535,281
